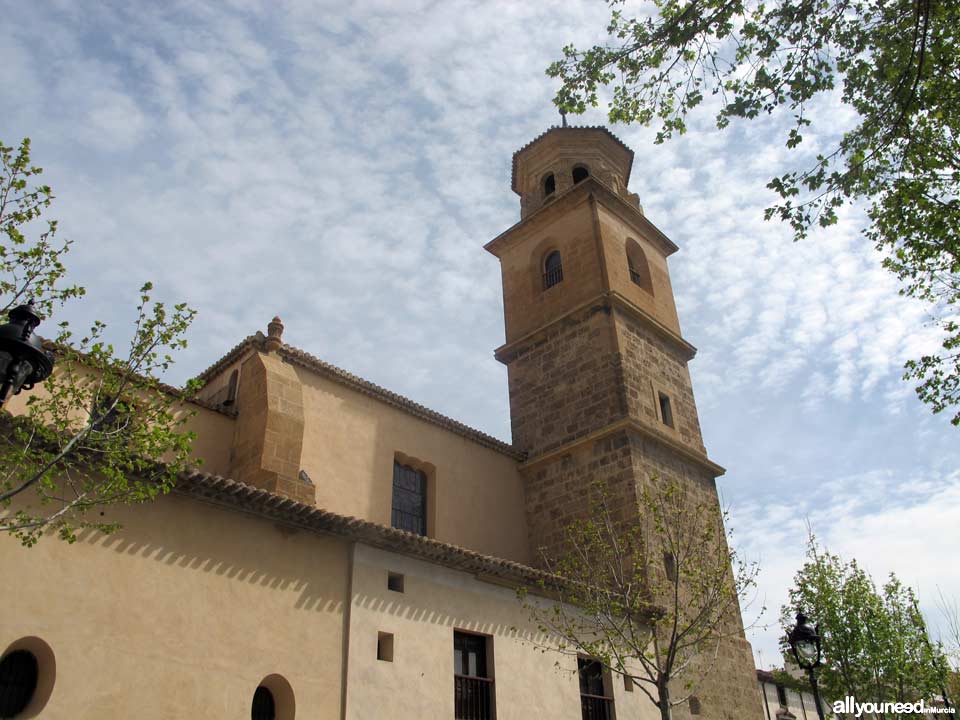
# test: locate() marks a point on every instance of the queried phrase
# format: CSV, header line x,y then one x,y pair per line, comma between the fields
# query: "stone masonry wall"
x,y
650,363
729,689
268,440
566,385
558,490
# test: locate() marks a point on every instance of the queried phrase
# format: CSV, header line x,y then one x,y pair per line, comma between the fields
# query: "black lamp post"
x,y
805,643
23,361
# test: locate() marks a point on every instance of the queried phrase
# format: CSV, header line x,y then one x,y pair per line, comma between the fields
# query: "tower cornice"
x,y
579,193
602,302
631,425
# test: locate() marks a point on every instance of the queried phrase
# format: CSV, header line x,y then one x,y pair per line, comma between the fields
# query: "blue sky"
x,y
341,165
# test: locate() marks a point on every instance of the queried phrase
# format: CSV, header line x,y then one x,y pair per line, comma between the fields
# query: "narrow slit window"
x,y
385,646
231,398
666,413
670,566
552,270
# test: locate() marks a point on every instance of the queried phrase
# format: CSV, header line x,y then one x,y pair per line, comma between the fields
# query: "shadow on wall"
x,y
436,616
241,548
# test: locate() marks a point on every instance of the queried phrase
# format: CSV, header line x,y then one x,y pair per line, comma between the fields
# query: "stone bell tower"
x,y
597,365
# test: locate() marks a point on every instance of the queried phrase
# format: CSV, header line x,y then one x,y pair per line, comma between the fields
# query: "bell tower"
x,y
597,365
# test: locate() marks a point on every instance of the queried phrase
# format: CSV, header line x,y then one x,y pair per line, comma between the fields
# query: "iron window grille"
x,y
409,510
472,687
595,704
552,270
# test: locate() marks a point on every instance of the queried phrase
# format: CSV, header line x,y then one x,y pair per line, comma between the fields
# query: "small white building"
x,y
784,703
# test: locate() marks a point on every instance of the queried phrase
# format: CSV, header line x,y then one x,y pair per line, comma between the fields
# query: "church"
x,y
349,554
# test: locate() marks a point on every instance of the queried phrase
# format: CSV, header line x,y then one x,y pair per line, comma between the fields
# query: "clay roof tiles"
x,y
304,359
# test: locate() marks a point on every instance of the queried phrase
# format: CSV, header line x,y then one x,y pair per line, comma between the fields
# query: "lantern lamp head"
x,y
805,643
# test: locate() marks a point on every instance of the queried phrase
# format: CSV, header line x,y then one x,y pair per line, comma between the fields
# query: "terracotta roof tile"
x,y
243,497
305,359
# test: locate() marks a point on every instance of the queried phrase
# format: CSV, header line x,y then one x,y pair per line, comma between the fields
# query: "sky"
x,y
342,164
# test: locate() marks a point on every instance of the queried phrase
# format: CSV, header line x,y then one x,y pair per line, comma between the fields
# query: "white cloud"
x,y
343,164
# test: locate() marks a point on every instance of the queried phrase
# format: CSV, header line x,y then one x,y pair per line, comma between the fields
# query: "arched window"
x,y
637,264
549,185
552,270
580,173
19,672
264,707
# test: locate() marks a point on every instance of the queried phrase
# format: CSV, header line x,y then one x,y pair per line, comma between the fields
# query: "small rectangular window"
x,y
666,414
395,582
385,646
628,683
782,695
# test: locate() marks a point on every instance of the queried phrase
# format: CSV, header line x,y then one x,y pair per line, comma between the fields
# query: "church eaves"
x,y
296,356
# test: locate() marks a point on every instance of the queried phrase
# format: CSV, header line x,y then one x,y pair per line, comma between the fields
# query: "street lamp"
x,y
805,643
23,361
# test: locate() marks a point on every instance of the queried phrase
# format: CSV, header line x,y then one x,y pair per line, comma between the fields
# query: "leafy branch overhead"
x,y
102,429
895,64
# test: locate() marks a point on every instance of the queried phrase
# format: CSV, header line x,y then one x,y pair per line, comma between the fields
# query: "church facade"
x,y
348,553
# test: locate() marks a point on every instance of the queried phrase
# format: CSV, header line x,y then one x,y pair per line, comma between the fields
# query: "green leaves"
x,y
898,67
29,269
103,429
875,643
647,586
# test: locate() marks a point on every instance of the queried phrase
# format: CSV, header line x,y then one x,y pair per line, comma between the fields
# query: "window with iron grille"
x,y
472,685
595,704
19,672
409,499
782,695
552,270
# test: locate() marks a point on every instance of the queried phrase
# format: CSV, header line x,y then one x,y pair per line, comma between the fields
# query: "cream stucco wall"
x,y
435,602
800,705
181,614
475,498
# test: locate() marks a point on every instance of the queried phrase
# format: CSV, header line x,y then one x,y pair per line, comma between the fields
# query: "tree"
x,y
950,637
896,64
651,597
875,643
102,429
